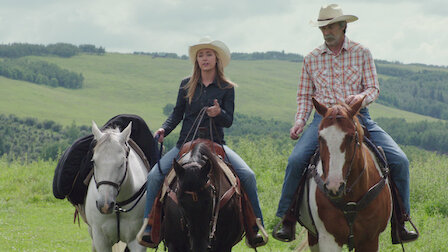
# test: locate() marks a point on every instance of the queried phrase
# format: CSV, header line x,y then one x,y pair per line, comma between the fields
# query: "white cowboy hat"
x,y
218,46
330,14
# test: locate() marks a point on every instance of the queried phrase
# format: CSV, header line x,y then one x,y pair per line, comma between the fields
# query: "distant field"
x,y
123,83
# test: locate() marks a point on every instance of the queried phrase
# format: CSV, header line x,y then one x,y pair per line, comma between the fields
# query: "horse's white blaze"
x,y
327,241
334,137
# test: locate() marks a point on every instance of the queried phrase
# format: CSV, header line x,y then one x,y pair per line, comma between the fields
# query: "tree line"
x,y
16,50
270,55
40,72
426,135
423,92
31,139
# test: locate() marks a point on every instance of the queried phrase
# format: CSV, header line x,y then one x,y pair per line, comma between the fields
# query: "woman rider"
x,y
207,87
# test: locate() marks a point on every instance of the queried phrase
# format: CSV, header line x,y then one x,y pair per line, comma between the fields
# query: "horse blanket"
x,y
75,163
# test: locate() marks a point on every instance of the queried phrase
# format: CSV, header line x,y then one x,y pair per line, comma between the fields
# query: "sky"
x,y
407,31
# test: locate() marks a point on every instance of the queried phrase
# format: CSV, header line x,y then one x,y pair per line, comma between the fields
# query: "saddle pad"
x,y
304,214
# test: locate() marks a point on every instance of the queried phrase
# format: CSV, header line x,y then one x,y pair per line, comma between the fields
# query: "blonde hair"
x,y
196,75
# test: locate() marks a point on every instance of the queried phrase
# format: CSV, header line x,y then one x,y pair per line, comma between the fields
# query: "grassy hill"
x,y
123,83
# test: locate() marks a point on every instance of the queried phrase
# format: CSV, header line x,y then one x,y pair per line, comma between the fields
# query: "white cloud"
x,y
408,31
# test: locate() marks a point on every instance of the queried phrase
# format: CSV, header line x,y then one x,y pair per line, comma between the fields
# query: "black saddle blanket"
x,y
75,163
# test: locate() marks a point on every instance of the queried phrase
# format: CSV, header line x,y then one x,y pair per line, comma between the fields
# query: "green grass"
x,y
123,83
32,220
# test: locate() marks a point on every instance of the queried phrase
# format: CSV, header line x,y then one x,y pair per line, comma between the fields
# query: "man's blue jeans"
x,y
308,142
245,174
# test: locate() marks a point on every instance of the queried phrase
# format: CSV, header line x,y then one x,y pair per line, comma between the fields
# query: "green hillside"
x,y
123,83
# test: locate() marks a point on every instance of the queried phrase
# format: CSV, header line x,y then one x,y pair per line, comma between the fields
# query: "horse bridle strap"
x,y
350,209
111,183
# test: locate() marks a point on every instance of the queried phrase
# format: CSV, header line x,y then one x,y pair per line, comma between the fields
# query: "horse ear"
x,y
97,134
356,106
205,170
126,133
320,108
178,168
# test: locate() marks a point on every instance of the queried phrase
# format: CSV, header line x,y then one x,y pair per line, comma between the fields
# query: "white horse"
x,y
116,195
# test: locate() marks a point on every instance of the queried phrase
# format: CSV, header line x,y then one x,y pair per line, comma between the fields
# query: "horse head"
x,y
340,138
109,164
196,194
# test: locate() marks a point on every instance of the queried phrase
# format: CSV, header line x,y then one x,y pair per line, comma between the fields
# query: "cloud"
x,y
407,31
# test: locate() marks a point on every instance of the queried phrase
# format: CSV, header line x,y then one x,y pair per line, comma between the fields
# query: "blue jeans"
x,y
308,142
245,174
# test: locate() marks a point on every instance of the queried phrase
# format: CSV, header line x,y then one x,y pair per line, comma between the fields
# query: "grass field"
x,y
123,83
31,219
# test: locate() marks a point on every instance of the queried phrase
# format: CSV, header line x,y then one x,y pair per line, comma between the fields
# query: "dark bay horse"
x,y
350,199
196,219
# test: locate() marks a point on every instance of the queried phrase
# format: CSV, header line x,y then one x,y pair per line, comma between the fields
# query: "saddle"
x,y
300,209
74,167
246,213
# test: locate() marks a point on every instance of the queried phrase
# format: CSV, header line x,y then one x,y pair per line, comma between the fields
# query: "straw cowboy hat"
x,y
330,14
218,46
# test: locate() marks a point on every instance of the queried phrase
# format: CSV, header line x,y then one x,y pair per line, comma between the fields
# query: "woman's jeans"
x,y
245,174
308,143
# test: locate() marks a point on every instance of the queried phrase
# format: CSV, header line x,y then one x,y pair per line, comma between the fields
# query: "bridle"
x,y
357,145
195,197
136,196
112,183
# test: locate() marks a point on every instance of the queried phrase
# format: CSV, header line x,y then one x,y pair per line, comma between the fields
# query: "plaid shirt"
x,y
330,77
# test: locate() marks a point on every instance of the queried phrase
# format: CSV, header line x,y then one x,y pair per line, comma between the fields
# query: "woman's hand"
x,y
214,110
161,133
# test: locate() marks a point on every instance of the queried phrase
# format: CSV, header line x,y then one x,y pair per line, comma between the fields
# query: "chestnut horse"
x,y
196,216
349,196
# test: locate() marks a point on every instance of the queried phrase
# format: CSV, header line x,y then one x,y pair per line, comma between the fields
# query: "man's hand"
x,y
296,129
214,110
161,133
351,99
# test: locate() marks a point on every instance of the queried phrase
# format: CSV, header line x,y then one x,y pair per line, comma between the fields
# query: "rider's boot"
x,y
399,232
287,232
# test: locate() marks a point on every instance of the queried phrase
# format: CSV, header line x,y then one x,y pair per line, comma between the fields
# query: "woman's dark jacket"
x,y
203,97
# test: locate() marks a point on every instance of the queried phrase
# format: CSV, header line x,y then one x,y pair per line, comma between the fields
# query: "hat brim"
x,y
347,18
219,47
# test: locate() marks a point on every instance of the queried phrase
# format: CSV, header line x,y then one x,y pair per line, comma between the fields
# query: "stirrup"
x,y
141,233
263,233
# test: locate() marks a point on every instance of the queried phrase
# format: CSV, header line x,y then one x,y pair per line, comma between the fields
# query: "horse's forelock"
x,y
106,139
194,161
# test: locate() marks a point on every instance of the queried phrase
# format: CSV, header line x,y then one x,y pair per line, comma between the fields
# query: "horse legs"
x,y
326,243
100,242
135,246
368,246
